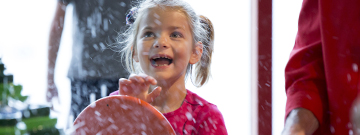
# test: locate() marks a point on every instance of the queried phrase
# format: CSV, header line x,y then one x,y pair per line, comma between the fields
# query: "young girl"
x,y
165,39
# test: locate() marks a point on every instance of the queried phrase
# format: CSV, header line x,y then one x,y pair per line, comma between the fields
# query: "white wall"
x,y
229,87
285,17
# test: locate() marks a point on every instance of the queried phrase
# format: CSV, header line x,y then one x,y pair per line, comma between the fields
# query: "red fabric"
x,y
196,116
322,72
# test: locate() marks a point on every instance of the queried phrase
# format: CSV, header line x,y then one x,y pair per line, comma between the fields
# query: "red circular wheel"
x,y
122,115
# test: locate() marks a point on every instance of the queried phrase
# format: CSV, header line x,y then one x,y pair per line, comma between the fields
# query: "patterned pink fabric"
x,y
195,116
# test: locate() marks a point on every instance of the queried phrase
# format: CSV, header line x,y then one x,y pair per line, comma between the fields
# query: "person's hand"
x,y
52,92
294,129
355,116
300,122
138,86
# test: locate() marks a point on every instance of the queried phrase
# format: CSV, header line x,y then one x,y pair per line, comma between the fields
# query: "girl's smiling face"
x,y
164,44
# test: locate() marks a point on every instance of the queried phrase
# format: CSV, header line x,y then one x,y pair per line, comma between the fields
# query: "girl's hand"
x,y
138,86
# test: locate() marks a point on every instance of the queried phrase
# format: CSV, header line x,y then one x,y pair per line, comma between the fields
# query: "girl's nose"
x,y
162,42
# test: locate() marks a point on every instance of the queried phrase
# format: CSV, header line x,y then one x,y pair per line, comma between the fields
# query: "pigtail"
x,y
202,69
128,40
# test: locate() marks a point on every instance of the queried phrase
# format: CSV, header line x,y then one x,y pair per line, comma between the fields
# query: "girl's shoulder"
x,y
205,114
200,105
194,99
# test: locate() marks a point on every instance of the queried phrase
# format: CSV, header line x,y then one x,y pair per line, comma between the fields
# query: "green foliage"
x,y
11,91
8,130
44,122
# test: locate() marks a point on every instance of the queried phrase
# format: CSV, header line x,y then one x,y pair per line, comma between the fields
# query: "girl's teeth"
x,y
160,57
157,65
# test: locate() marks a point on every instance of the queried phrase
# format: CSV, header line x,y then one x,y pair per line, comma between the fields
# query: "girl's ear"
x,y
197,53
135,56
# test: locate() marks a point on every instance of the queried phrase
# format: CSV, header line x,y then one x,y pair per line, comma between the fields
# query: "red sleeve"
x,y
304,72
211,121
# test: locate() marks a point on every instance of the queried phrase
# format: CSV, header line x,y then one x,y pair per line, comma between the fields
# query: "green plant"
x,y
10,91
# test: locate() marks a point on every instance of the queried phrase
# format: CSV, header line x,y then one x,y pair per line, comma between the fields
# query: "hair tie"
x,y
130,17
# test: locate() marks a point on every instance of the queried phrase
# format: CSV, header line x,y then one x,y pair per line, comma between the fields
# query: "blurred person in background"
x,y
95,66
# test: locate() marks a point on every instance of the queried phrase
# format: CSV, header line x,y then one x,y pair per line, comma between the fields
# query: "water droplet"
x,y
124,106
92,97
96,47
355,67
332,129
97,113
143,126
125,89
103,47
265,68
103,90
157,22
123,4
188,115
111,120
105,22
93,105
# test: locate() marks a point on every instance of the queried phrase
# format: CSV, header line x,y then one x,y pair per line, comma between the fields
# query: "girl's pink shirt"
x,y
195,116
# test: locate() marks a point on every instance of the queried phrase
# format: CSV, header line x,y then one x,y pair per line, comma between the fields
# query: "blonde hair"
x,y
202,30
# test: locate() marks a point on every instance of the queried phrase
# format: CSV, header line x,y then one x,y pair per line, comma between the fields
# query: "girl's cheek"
x,y
145,53
145,45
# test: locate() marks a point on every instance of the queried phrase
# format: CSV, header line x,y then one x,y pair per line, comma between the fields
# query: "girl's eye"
x,y
176,35
149,34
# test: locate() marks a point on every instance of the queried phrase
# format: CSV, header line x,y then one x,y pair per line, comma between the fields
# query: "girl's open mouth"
x,y
161,60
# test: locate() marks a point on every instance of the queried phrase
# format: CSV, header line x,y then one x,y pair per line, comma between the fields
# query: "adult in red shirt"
x,y
322,74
